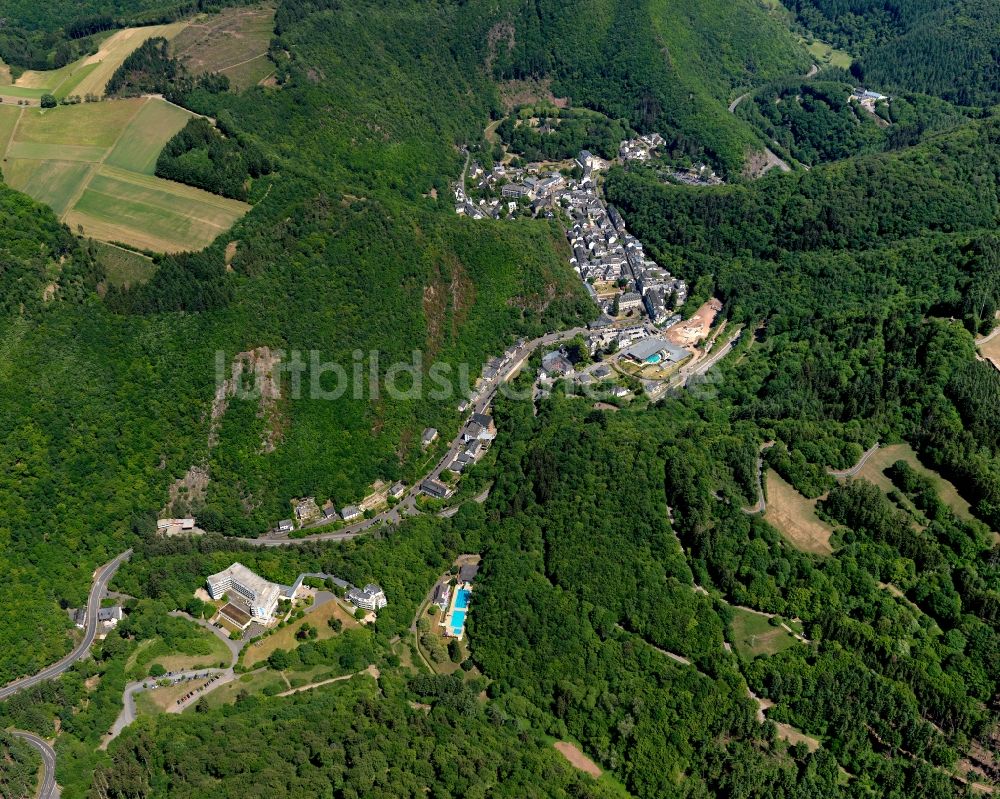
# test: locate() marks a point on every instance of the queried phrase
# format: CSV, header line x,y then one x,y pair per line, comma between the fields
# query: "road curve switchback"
x,y
101,579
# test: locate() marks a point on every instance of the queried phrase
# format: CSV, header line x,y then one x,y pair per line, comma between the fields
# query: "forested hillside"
x,y
106,403
941,47
661,65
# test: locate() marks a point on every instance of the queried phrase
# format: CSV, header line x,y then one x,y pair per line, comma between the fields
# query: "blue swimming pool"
x,y
456,624
654,358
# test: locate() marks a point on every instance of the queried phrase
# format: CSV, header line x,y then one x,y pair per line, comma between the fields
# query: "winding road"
x,y
857,467
44,748
101,579
407,506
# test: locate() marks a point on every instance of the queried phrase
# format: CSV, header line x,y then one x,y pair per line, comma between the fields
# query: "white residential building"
x,y
247,588
371,597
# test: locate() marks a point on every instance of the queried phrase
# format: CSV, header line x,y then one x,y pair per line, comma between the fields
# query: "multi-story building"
x,y
371,597
246,588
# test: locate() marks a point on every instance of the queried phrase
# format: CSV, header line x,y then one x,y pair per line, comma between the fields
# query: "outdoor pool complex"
x,y
654,358
456,625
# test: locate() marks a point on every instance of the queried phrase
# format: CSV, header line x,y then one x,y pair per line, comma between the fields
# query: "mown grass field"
x,y
754,635
93,164
137,149
151,213
285,638
795,516
827,55
874,472
8,121
233,42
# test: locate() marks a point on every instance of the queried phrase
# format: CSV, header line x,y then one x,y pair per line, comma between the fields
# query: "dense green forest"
x,y
551,134
941,47
661,65
202,156
816,121
19,772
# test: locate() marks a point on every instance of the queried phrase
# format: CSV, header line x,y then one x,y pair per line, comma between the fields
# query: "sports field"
x,y
93,165
233,42
89,75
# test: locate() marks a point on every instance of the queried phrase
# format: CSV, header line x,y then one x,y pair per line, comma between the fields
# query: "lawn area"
x,y
795,516
140,143
259,651
122,267
874,472
826,55
200,649
754,635
233,42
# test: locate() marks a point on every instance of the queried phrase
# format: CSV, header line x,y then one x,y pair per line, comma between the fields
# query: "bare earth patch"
x,y
528,92
187,494
795,516
262,364
697,327
577,758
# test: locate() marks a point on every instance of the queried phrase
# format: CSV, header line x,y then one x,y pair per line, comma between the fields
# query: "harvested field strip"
x,y
795,517
115,49
56,152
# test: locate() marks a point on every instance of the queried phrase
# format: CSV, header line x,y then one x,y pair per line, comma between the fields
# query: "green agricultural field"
x,y
151,213
754,635
55,183
8,121
85,125
140,143
93,164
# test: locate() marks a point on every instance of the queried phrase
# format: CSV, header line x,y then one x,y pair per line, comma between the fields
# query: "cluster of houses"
x,y
107,617
640,149
307,511
605,253
477,436
512,184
